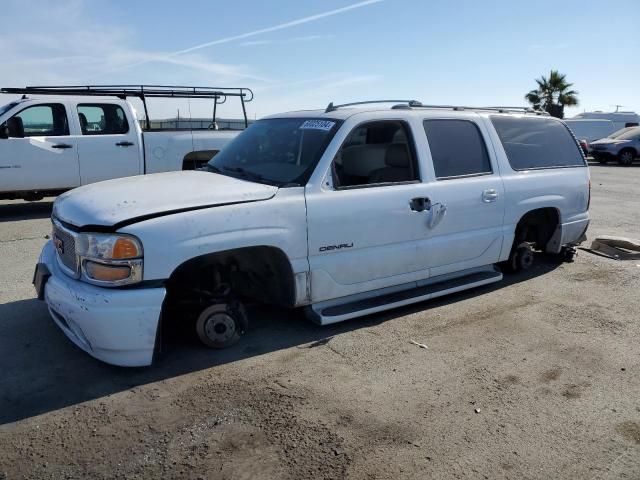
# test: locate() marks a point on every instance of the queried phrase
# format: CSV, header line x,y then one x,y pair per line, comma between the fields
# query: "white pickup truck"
x,y
345,212
58,138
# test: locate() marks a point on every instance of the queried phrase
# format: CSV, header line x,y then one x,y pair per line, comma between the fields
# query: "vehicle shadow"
x,y
42,371
11,212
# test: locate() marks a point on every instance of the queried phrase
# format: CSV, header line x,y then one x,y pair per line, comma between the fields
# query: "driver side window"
x,y
376,153
42,120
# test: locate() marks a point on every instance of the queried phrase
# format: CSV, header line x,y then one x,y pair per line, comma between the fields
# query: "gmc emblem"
x,y
59,245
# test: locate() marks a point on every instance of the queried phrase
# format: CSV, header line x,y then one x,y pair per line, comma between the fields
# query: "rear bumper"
x,y
573,231
117,326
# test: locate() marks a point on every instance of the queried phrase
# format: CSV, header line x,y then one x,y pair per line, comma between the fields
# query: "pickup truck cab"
x,y
344,212
53,143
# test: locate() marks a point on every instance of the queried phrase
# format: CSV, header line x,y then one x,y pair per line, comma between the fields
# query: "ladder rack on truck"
x,y
219,95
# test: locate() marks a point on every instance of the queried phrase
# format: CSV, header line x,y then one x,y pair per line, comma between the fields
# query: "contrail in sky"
x,y
281,26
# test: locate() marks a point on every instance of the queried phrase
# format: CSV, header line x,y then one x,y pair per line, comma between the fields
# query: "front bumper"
x,y
117,326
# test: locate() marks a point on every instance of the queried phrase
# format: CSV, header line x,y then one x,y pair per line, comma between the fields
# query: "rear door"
x,y
44,156
108,144
464,227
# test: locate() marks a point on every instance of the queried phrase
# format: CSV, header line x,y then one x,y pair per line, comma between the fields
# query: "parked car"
x,y
590,130
55,140
617,133
343,212
584,145
624,147
619,119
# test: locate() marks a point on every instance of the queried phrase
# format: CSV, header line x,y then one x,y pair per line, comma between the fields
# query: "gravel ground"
x,y
535,377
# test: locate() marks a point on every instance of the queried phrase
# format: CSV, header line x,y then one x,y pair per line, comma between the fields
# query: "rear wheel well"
x,y
197,159
254,274
537,227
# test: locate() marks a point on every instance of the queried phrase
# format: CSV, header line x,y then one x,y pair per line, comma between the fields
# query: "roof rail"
x,y
219,95
410,104
499,109
331,107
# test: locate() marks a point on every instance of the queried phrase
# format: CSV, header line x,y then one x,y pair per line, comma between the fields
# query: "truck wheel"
x,y
222,325
521,258
625,157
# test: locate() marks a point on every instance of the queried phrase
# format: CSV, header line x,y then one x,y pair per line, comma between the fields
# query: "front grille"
x,y
65,245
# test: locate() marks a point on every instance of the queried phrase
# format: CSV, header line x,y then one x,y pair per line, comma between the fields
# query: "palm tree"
x,y
553,94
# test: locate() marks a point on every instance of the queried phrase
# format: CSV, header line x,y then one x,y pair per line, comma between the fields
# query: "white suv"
x,y
345,211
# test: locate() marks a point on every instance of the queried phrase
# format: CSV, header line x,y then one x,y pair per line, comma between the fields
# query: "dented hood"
x,y
114,203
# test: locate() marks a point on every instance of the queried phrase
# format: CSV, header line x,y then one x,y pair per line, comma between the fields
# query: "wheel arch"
x,y
198,158
541,226
262,273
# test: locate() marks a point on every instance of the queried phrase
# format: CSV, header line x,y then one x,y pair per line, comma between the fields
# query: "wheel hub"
x,y
526,259
220,327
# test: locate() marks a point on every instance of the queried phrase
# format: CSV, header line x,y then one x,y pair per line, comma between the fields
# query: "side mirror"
x,y
4,131
15,127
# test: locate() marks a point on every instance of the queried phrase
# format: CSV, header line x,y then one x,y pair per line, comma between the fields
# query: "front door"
x,y
108,144
363,229
40,154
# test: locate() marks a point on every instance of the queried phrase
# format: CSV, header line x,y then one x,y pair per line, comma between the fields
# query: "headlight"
x,y
110,260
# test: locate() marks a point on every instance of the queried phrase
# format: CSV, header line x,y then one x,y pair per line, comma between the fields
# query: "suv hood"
x,y
126,200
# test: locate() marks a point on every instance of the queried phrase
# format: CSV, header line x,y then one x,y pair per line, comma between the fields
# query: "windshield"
x,y
630,134
278,151
7,107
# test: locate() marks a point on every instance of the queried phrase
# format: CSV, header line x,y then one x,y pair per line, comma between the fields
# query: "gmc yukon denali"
x,y
343,212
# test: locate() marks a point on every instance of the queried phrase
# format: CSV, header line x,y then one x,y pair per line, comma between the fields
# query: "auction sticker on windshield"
x,y
325,125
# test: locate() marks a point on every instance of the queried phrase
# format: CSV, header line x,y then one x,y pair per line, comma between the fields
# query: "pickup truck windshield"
x,y
279,151
7,107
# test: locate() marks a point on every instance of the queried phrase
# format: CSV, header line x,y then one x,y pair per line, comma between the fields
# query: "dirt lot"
x,y
533,378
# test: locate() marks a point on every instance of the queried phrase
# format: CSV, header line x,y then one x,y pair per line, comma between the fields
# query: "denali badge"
x,y
336,247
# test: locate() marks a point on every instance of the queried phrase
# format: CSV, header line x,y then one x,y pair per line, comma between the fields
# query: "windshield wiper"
x,y
210,168
245,173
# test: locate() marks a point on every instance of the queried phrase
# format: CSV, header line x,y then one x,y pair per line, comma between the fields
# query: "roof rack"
x,y
219,95
331,107
411,104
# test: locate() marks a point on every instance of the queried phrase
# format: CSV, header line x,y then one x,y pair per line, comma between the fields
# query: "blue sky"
x,y
304,54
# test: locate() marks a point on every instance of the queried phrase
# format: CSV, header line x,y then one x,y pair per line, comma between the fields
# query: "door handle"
x,y
61,145
489,195
125,144
420,204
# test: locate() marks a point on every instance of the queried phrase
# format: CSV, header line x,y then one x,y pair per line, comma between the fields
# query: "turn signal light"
x,y
125,248
106,273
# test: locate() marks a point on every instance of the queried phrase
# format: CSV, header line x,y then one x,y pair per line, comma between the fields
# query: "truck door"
x,y
464,227
108,144
40,153
363,229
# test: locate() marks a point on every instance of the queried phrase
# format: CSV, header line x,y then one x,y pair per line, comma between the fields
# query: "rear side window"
x,y
457,148
532,143
102,119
